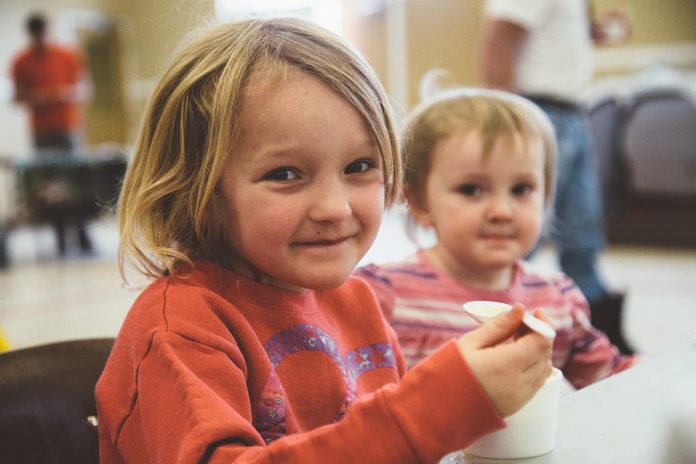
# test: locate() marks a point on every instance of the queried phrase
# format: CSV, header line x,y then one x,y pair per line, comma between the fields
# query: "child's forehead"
x,y
268,73
481,146
277,84
465,153
272,91
479,136
293,109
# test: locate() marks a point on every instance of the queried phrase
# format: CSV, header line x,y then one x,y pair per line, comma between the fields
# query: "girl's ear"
x,y
418,208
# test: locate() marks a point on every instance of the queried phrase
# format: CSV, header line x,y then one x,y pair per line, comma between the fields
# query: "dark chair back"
x,y
647,164
605,124
658,144
47,405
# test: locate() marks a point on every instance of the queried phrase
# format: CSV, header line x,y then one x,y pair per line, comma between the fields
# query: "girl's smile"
x,y
325,246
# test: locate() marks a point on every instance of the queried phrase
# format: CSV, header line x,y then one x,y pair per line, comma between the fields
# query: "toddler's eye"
x,y
359,166
470,190
522,189
282,174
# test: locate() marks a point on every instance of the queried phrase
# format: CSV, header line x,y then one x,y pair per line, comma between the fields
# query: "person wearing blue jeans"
x,y
542,49
577,229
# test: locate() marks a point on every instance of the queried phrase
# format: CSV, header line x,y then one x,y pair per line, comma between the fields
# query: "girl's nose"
x,y
330,203
500,208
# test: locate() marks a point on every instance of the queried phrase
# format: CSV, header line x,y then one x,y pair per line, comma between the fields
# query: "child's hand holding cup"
x,y
520,381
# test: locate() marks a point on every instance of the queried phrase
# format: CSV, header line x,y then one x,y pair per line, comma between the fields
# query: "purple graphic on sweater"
x,y
270,420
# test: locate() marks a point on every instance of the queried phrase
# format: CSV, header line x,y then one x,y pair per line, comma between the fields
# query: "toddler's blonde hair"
x,y
491,114
169,210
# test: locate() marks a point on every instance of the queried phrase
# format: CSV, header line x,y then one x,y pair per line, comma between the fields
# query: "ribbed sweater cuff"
x,y
441,406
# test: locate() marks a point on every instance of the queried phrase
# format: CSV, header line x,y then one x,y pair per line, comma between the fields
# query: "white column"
x,y
397,55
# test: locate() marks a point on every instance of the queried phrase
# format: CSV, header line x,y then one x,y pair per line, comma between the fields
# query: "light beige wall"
x,y
657,22
151,30
664,36
444,34
158,26
368,34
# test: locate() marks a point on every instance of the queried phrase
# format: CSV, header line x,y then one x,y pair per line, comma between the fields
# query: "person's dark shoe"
x,y
4,258
60,238
607,316
85,242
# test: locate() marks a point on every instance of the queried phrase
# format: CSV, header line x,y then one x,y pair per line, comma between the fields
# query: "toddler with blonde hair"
x,y
480,174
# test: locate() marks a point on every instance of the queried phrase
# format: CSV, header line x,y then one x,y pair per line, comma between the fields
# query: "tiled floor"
x,y
43,299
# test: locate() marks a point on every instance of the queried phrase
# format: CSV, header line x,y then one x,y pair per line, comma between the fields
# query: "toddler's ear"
x,y
418,209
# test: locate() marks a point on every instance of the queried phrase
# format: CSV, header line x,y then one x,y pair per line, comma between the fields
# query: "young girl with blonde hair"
x,y
480,173
259,180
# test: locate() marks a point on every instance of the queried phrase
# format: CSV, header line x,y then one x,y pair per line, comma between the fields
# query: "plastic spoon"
x,y
483,311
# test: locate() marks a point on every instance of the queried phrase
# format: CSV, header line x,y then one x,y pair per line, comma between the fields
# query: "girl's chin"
x,y
507,255
490,264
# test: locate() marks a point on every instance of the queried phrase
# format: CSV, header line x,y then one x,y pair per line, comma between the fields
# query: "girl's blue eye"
x,y
470,190
359,166
282,174
522,189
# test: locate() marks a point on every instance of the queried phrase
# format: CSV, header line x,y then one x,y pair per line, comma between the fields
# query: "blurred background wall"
x,y
127,43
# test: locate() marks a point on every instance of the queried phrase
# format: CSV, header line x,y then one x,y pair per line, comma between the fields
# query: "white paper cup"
x,y
531,431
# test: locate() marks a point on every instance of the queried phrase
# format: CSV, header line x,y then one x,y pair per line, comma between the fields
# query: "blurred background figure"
x,y
542,49
50,80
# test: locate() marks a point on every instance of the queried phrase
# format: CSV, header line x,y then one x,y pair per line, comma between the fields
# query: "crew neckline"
x,y
236,287
426,262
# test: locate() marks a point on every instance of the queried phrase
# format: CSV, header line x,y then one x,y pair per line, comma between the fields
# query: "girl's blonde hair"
x,y
491,114
169,211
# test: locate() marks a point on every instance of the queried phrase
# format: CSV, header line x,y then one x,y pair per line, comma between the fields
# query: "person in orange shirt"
x,y
50,79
